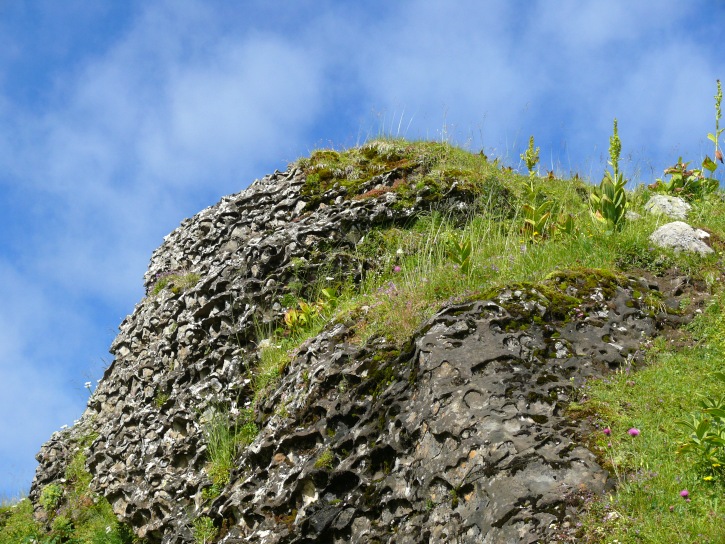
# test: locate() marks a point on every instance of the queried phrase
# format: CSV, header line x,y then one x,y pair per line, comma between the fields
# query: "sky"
x,y
120,118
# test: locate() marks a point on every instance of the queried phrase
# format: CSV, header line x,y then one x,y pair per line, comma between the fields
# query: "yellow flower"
x,y
707,478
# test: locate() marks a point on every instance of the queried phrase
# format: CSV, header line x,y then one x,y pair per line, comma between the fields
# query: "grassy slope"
x,y
417,273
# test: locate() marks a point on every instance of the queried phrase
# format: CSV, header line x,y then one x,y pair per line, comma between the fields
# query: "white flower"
x,y
87,385
63,427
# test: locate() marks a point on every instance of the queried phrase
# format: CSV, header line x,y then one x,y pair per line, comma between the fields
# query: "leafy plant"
x,y
707,434
50,497
460,253
303,317
565,224
531,157
696,183
609,202
537,218
689,184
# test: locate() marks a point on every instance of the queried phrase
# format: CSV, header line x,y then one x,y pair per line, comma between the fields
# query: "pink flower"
x,y
607,431
684,493
633,432
396,269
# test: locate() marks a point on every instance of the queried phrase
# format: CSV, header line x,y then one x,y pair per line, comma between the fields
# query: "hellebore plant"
x,y
609,202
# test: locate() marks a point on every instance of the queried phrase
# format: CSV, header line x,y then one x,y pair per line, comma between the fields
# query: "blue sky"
x,y
121,118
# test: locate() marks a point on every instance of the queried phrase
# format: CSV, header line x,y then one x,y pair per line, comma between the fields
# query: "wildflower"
x,y
708,478
684,493
633,432
396,269
607,431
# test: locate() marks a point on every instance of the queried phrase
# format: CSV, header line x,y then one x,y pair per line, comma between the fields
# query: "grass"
x,y
74,514
177,282
224,436
651,473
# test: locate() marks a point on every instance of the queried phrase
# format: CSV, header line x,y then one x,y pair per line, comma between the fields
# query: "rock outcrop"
x,y
458,436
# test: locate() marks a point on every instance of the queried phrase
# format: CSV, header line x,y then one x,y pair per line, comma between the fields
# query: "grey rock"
x,y
680,236
458,437
671,206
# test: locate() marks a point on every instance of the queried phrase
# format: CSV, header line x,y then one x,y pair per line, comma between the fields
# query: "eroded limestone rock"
x,y
459,437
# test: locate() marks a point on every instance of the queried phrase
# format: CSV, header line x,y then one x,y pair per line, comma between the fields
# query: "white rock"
x,y
681,237
671,206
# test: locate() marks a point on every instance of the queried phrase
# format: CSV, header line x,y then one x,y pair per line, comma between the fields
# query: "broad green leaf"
x,y
717,412
709,164
702,428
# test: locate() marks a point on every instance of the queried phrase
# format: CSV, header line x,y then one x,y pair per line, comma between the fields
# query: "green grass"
x,y
74,514
177,282
650,472
224,436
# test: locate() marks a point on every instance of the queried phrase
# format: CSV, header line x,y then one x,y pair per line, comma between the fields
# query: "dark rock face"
x,y
462,439
458,438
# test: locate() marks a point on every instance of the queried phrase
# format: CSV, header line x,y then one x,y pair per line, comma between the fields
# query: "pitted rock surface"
x,y
459,437
195,346
462,439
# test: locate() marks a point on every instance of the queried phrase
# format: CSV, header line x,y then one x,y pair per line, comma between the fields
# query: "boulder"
x,y
680,236
671,206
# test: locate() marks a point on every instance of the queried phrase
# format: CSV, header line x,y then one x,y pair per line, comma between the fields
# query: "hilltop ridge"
x,y
376,345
